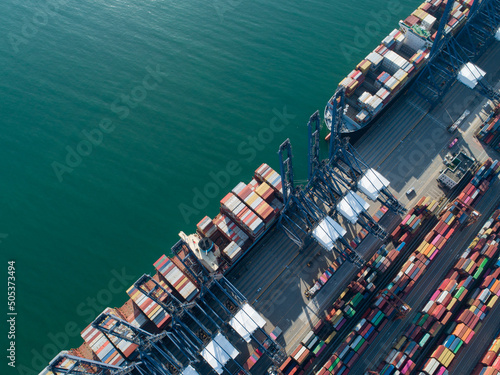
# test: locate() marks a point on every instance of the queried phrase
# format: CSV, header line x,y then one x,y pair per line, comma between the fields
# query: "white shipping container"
x,y
375,59
364,97
428,306
428,21
362,116
442,297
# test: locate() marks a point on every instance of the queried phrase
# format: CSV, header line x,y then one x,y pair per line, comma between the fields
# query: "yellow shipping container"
x,y
493,300
450,358
433,206
422,246
346,81
451,304
495,285
330,338
400,343
430,249
444,355
469,267
262,188
427,199
251,198
420,14
336,319
495,347
154,311
364,66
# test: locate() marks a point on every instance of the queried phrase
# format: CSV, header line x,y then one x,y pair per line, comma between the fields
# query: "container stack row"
x,y
132,314
372,321
101,346
231,230
414,219
249,195
490,129
352,81
242,215
325,276
149,307
374,262
348,353
125,347
304,356
344,308
268,175
411,271
176,278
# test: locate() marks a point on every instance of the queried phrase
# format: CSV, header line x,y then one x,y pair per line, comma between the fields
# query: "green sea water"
x,y
123,123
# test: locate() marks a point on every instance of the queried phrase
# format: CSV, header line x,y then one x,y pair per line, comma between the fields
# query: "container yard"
x,y
360,269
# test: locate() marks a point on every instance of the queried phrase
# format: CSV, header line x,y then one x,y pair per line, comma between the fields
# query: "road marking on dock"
x,y
432,117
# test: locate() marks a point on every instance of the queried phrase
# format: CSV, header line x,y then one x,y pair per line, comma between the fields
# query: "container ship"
x,y
156,304
384,73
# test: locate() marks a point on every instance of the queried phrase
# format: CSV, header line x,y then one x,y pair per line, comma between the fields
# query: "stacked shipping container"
x,y
414,219
150,308
176,278
241,214
101,346
125,347
489,364
442,306
381,311
490,128
268,175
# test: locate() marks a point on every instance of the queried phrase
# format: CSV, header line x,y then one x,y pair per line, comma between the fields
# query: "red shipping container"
x,y
489,358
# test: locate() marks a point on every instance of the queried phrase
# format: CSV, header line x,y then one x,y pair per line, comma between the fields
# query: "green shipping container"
x,y
483,263
424,340
356,299
379,319
422,320
334,364
416,318
350,312
318,347
478,273
458,347
459,292
361,342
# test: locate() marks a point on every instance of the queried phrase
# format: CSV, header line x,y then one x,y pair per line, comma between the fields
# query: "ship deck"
x,y
369,86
